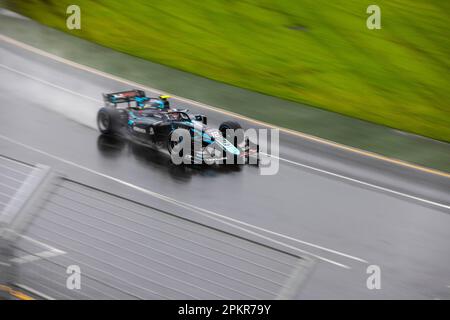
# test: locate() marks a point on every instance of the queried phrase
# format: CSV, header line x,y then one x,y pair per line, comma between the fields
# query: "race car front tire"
x,y
235,140
230,125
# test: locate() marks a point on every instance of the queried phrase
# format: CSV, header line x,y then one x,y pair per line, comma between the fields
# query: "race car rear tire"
x,y
108,120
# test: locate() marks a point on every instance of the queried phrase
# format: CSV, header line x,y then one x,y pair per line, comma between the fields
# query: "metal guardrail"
x,y
130,250
21,188
12,175
14,214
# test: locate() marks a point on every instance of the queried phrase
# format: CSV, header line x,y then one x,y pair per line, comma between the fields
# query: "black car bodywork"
x,y
151,121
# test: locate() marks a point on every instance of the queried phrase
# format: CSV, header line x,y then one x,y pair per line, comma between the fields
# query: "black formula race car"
x,y
153,122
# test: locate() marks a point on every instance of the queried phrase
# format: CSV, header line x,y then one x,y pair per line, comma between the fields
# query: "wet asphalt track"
x,y
346,224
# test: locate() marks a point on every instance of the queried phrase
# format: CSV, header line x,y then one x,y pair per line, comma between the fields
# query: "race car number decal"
x,y
215,134
141,130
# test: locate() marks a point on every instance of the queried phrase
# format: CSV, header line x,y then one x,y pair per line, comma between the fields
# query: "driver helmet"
x,y
165,100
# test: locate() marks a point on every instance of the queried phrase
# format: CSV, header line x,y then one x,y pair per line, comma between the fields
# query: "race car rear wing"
x,y
123,96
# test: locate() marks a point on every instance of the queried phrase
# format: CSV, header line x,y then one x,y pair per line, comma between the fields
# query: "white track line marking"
x,y
12,14
374,186
207,213
229,113
279,158
37,256
49,253
48,83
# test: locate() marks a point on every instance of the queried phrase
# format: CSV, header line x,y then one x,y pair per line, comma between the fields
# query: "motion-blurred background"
x,y
311,51
141,227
